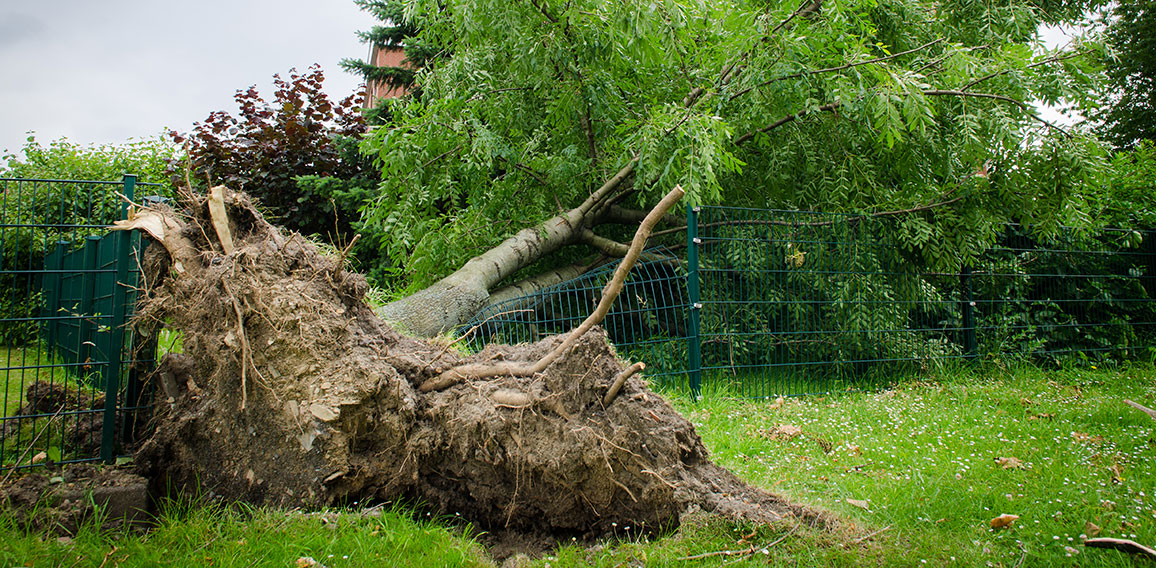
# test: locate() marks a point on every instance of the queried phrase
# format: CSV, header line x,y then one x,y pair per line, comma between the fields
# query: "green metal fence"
x,y
767,303
798,302
72,367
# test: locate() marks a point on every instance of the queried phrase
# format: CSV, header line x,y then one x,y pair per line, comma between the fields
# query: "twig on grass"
x,y
1121,544
32,444
106,556
870,535
745,552
1141,408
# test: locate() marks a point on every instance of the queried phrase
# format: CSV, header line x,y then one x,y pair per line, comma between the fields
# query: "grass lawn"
x,y
920,470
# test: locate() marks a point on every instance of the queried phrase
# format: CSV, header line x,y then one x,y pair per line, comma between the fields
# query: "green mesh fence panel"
x,y
67,289
789,303
801,302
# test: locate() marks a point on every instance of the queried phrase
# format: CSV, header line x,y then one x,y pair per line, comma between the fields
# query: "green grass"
x,y
16,379
923,455
242,536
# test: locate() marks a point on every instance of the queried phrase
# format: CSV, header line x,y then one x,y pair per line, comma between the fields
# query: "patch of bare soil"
x,y
292,392
61,500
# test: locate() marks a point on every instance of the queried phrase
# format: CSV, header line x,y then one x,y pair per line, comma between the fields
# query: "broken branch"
x,y
1141,408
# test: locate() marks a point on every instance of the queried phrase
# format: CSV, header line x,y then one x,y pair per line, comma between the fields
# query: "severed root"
x,y
609,294
620,380
220,217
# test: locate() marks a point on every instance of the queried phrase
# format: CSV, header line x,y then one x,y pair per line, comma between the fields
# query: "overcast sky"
x,y
107,71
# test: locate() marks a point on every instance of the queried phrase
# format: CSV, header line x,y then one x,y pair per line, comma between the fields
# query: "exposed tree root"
x,y
340,416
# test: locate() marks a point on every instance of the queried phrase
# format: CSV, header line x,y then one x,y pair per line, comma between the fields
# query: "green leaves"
x,y
860,106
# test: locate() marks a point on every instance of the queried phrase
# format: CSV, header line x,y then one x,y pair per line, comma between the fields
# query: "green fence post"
x,y
694,345
123,245
967,306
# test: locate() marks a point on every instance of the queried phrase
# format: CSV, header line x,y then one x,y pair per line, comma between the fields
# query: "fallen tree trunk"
x,y
453,300
292,392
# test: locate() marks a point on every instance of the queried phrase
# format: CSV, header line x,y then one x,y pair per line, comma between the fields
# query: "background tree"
x,y
297,155
1130,115
148,159
584,112
395,32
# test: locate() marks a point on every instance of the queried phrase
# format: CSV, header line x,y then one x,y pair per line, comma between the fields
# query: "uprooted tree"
x,y
552,125
290,391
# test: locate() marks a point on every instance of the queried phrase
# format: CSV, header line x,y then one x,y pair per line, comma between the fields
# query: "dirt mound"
x,y
292,392
80,431
61,501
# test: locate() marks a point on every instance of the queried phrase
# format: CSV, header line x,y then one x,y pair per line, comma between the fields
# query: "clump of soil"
x,y
61,501
292,392
80,432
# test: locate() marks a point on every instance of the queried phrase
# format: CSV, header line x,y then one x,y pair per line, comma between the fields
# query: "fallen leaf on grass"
x,y
1117,473
1003,521
1010,463
859,503
1091,529
778,403
783,431
1086,438
1042,416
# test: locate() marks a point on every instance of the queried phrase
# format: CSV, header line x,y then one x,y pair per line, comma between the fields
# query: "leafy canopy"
x,y
1131,112
868,106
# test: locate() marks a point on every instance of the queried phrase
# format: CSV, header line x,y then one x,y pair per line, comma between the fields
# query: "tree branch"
x,y
606,246
833,69
1017,102
618,215
1054,59
537,282
789,118
930,93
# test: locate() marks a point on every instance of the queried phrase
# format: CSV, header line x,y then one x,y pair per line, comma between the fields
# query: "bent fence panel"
x,y
647,322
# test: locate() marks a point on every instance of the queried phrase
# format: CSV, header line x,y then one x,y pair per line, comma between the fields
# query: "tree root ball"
x,y
291,392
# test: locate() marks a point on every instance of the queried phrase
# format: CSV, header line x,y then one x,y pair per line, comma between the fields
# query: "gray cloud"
x,y
16,27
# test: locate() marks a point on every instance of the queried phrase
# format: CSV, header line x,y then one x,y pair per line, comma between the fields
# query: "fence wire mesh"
x,y
801,302
647,322
71,368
